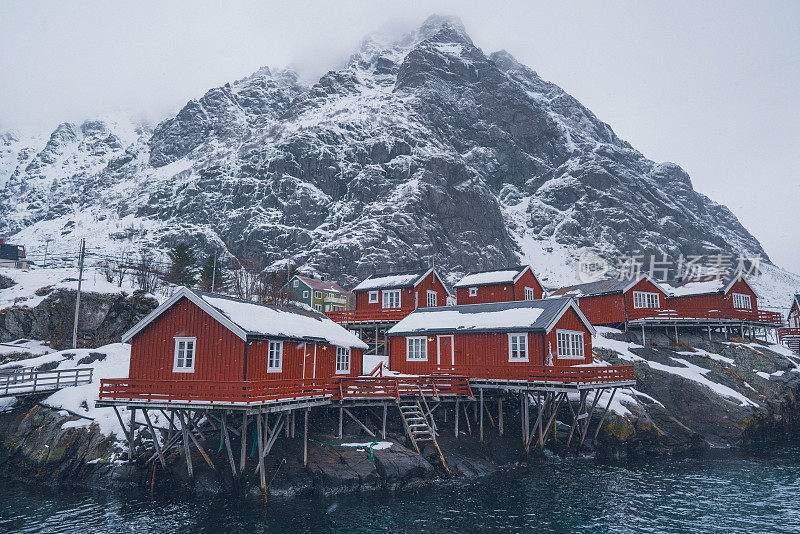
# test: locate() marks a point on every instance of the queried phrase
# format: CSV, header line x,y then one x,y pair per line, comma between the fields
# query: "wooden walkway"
x,y
21,382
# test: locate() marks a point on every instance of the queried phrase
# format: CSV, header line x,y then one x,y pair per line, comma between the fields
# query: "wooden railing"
x,y
395,387
211,391
18,382
369,316
549,373
727,314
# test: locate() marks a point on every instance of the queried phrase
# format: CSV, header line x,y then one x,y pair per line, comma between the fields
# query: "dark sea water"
x,y
730,491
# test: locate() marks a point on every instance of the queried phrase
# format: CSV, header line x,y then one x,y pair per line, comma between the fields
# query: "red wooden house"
x,y
614,301
501,340
204,339
407,290
793,318
730,298
501,285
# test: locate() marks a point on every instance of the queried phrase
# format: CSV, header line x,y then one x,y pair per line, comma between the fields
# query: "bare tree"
x,y
145,272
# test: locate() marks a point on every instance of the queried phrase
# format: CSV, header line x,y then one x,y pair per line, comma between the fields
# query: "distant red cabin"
x,y
197,336
409,290
732,299
793,318
613,301
505,340
501,285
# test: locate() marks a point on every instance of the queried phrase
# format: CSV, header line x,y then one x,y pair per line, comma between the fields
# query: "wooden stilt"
x,y
676,334
362,425
155,439
127,434
186,451
603,417
227,439
131,440
500,416
643,340
262,477
522,419
589,416
481,410
243,456
575,418
466,418
383,428
305,437
455,422
341,420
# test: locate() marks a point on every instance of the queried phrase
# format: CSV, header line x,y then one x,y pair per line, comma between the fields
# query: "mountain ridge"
x,y
421,147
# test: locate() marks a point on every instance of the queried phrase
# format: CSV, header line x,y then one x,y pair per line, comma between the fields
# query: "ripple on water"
x,y
728,491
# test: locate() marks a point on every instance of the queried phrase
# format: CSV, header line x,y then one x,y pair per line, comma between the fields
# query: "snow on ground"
x,y
379,446
25,346
688,370
81,399
23,293
717,357
623,348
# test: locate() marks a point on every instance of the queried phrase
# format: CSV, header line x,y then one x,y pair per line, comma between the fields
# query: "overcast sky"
x,y
712,86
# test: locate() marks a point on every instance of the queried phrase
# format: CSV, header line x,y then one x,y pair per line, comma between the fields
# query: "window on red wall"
x,y
473,292
342,360
184,355
570,344
740,300
518,347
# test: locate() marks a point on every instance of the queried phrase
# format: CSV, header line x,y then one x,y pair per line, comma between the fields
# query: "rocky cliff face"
x,y
418,147
104,317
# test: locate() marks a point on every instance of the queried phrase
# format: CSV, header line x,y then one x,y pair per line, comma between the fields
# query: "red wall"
x,y
475,353
740,286
407,295
793,319
569,321
501,292
219,354
649,287
603,309
292,365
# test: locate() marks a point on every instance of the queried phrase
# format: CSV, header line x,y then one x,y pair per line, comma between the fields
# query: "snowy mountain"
x,y
420,147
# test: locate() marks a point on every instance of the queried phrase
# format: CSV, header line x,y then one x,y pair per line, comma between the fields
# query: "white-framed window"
x,y
518,347
317,294
305,294
275,357
391,298
373,297
530,294
318,307
327,307
740,300
431,298
342,360
296,283
569,344
184,355
473,292
643,299
417,348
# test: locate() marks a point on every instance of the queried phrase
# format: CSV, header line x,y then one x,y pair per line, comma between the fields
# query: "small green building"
x,y
320,295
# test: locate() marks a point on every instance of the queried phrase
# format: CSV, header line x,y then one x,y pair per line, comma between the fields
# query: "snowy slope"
x,y
418,148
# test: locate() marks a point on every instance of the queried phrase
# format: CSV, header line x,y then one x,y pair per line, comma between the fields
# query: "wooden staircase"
x,y
418,427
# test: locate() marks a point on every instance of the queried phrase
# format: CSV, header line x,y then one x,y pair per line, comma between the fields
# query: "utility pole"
x,y
78,296
214,273
46,244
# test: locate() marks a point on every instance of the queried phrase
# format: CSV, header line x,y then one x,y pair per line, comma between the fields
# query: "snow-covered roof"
x,y
321,285
603,287
392,280
499,276
685,288
249,319
522,315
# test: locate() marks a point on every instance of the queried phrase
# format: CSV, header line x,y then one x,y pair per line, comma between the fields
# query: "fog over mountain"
x,y
420,147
